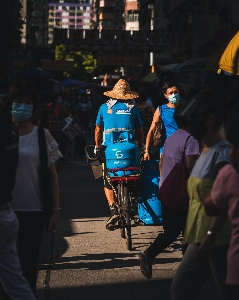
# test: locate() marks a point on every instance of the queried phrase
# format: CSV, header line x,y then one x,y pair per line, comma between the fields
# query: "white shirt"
x,y
27,193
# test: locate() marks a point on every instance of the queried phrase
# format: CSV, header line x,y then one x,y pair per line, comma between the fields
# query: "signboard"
x,y
70,128
118,40
122,61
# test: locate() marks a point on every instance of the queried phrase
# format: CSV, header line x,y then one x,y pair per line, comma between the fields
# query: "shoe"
x,y
112,219
145,265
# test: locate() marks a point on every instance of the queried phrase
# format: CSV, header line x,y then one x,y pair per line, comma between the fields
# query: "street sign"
x,y
117,40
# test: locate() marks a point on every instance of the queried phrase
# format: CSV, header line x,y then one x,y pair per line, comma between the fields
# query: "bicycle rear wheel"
x,y
125,204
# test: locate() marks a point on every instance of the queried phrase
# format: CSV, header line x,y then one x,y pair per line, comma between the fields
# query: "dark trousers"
x,y
29,243
173,224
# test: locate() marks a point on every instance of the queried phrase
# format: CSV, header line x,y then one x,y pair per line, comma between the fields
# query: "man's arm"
x,y
98,135
149,138
190,162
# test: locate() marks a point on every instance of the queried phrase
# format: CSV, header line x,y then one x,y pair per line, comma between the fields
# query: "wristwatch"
x,y
213,234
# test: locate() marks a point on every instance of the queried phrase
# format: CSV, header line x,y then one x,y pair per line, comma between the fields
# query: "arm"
x,y
98,135
140,136
156,118
161,165
206,248
210,208
190,162
55,191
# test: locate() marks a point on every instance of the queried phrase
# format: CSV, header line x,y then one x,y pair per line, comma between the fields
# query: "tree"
x,y
85,63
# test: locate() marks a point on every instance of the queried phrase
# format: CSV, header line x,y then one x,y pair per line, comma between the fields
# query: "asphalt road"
x,y
90,262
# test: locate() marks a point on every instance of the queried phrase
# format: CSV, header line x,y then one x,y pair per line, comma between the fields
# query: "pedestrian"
x,y
223,200
164,114
179,144
11,275
85,113
27,194
205,255
146,112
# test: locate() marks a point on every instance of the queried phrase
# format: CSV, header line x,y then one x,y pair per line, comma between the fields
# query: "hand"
x,y
53,221
205,249
146,156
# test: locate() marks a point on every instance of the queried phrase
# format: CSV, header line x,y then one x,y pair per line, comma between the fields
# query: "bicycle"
x,y
125,189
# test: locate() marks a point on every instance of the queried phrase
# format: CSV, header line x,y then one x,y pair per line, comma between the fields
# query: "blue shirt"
x,y
119,116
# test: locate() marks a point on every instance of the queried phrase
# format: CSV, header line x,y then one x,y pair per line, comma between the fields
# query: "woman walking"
x,y
27,200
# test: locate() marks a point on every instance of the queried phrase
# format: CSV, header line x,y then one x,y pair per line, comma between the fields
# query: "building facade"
x,y
69,16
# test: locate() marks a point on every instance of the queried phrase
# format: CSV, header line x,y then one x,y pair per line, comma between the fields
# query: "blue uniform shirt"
x,y
119,116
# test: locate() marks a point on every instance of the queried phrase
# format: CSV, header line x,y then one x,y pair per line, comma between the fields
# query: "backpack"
x,y
51,121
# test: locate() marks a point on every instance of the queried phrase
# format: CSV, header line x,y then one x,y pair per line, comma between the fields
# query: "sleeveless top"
x,y
169,124
146,115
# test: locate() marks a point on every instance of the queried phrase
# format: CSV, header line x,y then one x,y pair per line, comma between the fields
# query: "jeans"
x,y
173,224
29,243
192,274
10,270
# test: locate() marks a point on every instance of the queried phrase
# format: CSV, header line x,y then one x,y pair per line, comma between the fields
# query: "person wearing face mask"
x,y
207,237
27,196
164,114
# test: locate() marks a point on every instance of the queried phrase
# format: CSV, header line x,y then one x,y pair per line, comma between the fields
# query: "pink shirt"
x,y
173,151
225,195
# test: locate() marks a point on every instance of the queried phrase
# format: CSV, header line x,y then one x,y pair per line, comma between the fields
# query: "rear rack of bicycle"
x,y
125,177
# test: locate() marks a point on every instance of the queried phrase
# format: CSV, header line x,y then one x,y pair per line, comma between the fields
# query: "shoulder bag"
x,y
46,190
173,191
157,141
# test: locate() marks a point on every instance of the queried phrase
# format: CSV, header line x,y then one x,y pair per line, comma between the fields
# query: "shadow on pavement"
x,y
138,290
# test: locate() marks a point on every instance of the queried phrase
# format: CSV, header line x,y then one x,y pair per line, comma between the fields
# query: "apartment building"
x,y
67,15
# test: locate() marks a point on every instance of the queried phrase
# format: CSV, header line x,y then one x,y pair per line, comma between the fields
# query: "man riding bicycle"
x,y
118,113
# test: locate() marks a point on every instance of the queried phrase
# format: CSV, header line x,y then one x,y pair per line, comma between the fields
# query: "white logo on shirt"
x,y
123,112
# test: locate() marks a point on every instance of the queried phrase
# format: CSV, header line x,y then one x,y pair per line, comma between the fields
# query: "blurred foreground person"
x,y
10,270
27,194
224,200
206,251
179,146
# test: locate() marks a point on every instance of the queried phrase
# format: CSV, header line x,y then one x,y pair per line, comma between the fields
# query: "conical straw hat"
x,y
121,91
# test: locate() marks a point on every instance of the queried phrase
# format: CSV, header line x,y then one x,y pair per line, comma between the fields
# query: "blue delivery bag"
x,y
149,206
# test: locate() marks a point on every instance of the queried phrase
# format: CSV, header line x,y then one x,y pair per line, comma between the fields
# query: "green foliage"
x,y
85,63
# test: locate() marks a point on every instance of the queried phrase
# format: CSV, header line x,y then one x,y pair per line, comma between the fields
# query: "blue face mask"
x,y
174,98
21,111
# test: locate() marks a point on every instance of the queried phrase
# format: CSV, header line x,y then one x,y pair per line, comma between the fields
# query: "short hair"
x,y
168,85
217,105
143,95
182,122
49,96
22,88
232,126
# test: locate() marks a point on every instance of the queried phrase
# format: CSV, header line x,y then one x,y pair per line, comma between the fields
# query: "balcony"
x,y
135,5
106,16
106,3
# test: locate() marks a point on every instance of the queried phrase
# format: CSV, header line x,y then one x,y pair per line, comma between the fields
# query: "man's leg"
x,y
10,270
173,222
109,193
172,228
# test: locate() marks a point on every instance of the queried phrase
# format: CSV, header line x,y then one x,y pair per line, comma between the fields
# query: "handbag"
x,y
46,190
158,139
173,191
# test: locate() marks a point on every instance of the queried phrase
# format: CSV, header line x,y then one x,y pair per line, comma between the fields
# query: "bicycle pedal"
x,y
110,228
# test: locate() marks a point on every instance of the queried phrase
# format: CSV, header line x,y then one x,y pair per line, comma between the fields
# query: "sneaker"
x,y
113,218
145,265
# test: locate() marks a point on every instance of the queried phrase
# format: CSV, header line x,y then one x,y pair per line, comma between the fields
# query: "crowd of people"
x,y
191,132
